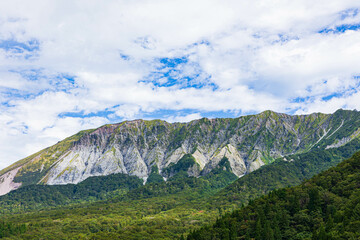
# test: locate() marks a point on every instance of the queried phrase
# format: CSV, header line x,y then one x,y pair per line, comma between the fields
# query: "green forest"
x,y
324,207
119,206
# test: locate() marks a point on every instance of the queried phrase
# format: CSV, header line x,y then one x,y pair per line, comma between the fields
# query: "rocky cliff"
x,y
134,147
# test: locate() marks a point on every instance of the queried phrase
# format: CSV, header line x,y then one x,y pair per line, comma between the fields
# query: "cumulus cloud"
x,y
183,118
72,65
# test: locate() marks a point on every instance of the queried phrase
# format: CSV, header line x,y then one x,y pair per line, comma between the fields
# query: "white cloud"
x,y
249,56
348,101
183,118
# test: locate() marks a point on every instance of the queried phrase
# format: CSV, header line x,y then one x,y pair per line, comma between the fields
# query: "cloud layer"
x,y
72,65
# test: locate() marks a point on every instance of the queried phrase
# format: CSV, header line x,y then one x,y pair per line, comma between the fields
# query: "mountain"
x,y
282,173
324,207
119,206
135,147
116,187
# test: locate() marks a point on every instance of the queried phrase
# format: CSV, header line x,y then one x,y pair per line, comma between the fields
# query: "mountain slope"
x,y
119,186
152,211
325,207
159,210
36,197
135,147
284,172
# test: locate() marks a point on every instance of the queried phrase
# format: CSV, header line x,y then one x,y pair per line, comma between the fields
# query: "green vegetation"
x,y
8,229
178,136
181,167
154,176
325,207
207,185
267,132
120,206
282,174
221,174
36,197
152,211
160,210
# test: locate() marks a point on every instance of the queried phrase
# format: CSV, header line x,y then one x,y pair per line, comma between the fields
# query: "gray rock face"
x,y
7,183
133,147
344,140
237,163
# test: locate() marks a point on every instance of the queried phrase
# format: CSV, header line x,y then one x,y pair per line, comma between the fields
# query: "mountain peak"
x,y
134,147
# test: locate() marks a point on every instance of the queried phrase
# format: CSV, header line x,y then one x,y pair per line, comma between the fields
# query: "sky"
x,y
70,65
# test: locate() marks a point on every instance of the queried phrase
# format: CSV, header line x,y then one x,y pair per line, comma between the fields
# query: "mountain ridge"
x,y
323,207
134,147
159,210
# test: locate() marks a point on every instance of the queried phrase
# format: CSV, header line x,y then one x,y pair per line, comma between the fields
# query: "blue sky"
x,y
73,65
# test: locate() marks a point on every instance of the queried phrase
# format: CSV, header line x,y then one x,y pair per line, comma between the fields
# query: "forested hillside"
x,y
284,172
324,207
159,209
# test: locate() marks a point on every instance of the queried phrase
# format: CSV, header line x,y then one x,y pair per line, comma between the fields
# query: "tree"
x,y
258,230
268,232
